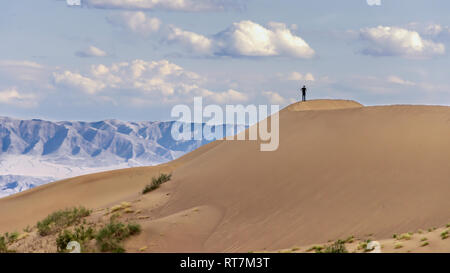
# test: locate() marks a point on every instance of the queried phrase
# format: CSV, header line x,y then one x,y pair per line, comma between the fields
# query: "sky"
x,y
135,60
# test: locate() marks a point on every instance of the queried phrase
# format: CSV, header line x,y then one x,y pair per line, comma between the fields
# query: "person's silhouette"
x,y
304,93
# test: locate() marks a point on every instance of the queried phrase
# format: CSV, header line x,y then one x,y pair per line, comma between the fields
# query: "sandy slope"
x,y
419,241
350,170
324,105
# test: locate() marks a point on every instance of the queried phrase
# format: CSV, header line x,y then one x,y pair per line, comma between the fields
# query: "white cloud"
x,y
296,76
390,85
275,98
435,29
70,79
226,97
245,39
23,71
141,81
27,64
400,81
193,42
91,51
436,32
173,5
137,22
13,97
395,41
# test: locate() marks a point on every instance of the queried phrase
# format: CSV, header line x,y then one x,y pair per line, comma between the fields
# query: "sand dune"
x,y
324,105
340,170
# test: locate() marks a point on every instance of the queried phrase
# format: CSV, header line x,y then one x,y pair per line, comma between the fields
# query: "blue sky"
x,y
115,59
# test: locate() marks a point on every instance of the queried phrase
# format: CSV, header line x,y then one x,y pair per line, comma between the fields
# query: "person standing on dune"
x,y
304,93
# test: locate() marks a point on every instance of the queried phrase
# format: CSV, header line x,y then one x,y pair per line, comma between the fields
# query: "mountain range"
x,y
35,152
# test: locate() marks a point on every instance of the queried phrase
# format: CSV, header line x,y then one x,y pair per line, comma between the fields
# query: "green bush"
x,y
134,229
11,237
81,235
398,245
156,182
445,235
337,247
61,219
404,236
349,240
316,249
4,241
109,237
3,246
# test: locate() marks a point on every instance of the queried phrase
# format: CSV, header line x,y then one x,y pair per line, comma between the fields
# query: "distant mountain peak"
x,y
88,146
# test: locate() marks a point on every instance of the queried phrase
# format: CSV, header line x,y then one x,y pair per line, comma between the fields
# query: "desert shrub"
x,y
444,235
349,240
63,239
121,206
128,210
364,246
3,246
11,237
134,229
398,245
109,238
404,236
61,219
156,182
317,249
4,241
336,247
81,235
23,236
